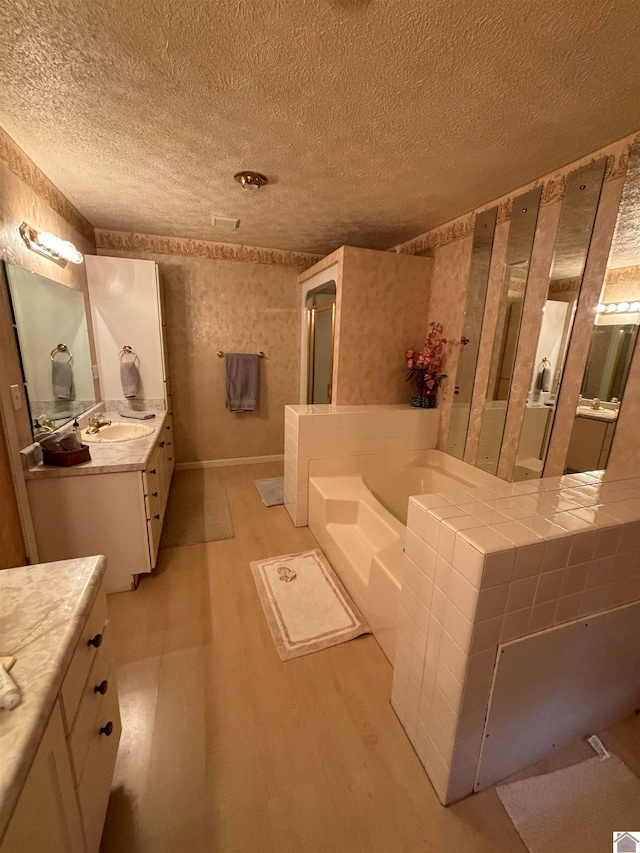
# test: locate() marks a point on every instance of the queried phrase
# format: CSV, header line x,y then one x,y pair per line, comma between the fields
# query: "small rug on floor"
x,y
576,808
271,491
305,605
197,511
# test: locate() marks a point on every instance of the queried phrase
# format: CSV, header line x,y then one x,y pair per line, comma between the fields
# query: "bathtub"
x,y
358,513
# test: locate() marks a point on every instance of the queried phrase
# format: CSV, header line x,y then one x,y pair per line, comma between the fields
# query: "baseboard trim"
x,y
223,463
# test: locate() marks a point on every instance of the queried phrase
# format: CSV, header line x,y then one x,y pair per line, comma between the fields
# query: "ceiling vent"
x,y
227,224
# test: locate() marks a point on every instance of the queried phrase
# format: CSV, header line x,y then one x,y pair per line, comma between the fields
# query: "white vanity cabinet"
x,y
62,806
117,514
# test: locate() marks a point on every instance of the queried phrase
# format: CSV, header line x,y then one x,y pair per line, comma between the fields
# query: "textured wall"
x,y
234,307
382,309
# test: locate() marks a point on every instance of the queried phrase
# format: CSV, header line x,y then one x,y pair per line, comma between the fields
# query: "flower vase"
x,y
426,401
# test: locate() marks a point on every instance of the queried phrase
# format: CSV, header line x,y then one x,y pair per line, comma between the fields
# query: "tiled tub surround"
x,y
487,566
44,609
358,512
325,432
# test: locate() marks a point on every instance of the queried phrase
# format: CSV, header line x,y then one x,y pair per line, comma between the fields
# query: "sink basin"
x,y
118,432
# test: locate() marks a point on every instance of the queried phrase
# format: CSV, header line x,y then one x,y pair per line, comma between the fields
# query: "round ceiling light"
x,y
251,180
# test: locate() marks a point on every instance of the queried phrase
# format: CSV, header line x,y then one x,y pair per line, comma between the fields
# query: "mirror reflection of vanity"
x,y
51,325
516,431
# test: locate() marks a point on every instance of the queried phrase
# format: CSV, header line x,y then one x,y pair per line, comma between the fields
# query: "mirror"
x,y
505,342
472,330
51,326
579,206
614,336
321,321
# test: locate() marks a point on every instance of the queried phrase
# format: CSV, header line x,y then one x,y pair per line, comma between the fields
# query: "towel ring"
x,y
126,350
220,354
64,349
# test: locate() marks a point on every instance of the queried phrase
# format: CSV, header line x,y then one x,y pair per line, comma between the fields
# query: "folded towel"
x,y
69,442
51,443
130,378
242,380
140,416
62,379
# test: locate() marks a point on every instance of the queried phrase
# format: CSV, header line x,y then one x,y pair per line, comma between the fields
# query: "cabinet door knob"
x,y
107,730
157,516
161,444
102,687
168,444
171,459
96,641
168,426
152,471
155,494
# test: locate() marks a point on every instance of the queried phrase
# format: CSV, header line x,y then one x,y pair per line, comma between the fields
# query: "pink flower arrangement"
x,y
426,366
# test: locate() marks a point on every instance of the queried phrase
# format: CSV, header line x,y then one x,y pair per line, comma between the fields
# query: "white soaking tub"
x,y
358,513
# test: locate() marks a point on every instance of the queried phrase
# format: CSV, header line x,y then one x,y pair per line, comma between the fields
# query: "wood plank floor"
x,y
227,749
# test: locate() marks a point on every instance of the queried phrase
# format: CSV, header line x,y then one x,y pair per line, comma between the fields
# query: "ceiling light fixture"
x,y
49,246
251,180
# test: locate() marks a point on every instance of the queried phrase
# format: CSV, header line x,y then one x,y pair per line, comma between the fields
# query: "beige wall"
x,y
382,307
450,246
234,307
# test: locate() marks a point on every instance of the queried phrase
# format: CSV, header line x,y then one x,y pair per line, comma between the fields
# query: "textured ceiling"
x,y
374,120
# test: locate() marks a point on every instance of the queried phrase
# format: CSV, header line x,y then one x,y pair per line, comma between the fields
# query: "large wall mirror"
x,y
53,338
582,194
614,335
472,329
505,343
321,323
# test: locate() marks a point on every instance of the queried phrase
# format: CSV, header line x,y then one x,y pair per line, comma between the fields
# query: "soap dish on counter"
x,y
66,458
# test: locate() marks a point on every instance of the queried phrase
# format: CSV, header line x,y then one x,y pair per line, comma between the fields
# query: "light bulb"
x,y
601,308
635,306
611,308
622,307
63,248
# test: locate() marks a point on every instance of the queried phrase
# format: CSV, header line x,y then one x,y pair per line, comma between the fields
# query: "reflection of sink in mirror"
x,y
601,414
117,432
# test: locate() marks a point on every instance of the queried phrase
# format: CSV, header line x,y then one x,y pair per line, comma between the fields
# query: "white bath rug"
x,y
306,607
271,490
576,808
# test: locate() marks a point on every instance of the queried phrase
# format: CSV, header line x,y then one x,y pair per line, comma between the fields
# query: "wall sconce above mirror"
x,y
573,237
483,234
49,246
614,336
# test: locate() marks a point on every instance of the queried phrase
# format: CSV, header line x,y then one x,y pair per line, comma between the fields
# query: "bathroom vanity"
x,y
59,744
112,505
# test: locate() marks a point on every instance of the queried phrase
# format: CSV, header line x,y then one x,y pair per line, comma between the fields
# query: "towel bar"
x,y
220,354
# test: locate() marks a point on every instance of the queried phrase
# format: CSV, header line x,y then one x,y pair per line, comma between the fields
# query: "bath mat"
x,y
305,605
576,808
197,511
271,491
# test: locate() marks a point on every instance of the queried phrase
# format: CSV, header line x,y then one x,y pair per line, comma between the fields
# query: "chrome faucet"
x,y
95,424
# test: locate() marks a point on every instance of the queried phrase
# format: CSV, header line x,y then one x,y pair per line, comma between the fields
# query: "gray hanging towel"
x,y
62,379
130,378
545,379
242,380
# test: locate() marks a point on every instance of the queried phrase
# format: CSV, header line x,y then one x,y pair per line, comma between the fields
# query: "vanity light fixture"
x,y
54,248
618,308
251,180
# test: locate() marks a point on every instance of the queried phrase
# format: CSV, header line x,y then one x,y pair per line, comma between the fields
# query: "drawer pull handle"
x,y
107,730
96,641
157,516
155,494
161,444
167,427
102,687
152,471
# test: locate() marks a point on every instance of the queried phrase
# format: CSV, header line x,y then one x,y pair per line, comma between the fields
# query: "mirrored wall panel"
x,y
472,329
53,338
614,336
505,343
582,194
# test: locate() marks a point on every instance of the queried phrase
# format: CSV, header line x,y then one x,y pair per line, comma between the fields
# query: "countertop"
x,y
43,610
109,458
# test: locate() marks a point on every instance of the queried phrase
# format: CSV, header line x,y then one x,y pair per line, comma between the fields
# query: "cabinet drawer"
x,y
90,702
83,657
95,784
